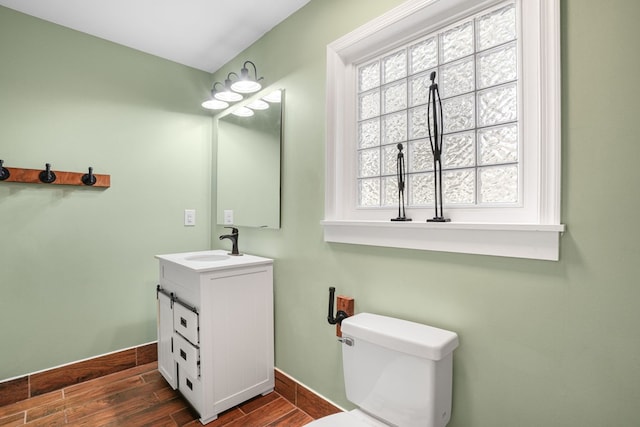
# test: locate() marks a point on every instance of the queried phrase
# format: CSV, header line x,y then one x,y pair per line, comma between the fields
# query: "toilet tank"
x,y
398,371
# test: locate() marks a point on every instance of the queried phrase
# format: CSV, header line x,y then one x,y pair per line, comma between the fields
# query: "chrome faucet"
x,y
234,240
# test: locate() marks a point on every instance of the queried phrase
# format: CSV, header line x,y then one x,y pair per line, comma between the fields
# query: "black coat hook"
x,y
89,178
4,172
47,176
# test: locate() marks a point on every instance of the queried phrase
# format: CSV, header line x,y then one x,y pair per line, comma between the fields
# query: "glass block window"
x,y
476,61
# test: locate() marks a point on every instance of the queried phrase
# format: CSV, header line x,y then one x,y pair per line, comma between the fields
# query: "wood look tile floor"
x,y
140,397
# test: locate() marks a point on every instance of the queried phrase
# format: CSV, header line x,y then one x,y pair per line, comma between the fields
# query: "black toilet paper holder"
x,y
340,315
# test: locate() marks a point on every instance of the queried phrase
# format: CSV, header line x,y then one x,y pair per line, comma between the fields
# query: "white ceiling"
x,y
203,34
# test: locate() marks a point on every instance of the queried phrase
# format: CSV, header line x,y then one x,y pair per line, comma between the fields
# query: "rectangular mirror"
x,y
248,167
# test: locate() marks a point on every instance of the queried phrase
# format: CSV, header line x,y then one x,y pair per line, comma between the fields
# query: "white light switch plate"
x,y
189,217
228,216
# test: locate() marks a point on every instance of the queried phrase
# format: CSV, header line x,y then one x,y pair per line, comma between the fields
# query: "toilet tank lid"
x,y
401,335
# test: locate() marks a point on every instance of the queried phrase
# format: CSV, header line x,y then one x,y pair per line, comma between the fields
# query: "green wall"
x,y
541,343
77,273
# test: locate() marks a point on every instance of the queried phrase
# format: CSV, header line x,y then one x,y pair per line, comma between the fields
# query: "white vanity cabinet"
x,y
215,328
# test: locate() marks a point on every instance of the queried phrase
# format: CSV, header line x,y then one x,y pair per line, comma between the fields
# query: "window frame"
x,y
536,233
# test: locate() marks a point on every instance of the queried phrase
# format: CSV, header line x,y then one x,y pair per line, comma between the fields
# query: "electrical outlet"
x,y
228,217
190,217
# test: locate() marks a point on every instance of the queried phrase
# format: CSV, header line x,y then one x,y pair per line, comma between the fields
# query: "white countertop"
x,y
213,260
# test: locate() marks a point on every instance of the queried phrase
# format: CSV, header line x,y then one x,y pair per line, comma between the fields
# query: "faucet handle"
x,y
233,230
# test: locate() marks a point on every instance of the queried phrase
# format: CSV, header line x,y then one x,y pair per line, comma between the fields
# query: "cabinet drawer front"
x,y
186,355
185,322
191,388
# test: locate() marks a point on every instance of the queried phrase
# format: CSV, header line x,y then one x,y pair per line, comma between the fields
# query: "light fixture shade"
x,y
242,112
228,96
246,86
233,88
275,96
258,104
214,104
245,83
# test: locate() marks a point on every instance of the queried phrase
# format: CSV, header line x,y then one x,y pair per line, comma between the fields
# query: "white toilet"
x,y
399,373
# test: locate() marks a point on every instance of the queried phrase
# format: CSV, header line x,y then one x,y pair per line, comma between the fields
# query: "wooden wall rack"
x,y
35,176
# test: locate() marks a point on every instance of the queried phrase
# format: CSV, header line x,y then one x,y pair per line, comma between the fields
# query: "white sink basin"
x,y
206,258
218,259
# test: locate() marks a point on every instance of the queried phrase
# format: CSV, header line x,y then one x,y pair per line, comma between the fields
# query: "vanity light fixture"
x,y
242,112
245,83
214,103
258,104
275,97
234,87
228,94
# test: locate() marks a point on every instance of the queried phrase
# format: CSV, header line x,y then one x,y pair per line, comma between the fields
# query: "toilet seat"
x,y
355,418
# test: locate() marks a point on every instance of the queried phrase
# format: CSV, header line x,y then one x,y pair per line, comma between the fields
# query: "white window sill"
x,y
533,241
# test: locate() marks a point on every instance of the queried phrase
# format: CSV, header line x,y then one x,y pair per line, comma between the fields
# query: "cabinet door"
x,y
166,364
241,320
